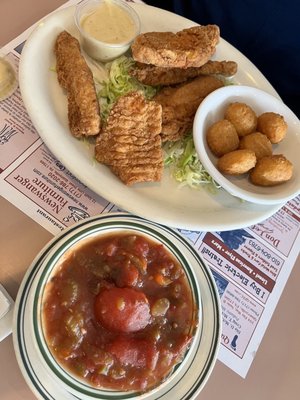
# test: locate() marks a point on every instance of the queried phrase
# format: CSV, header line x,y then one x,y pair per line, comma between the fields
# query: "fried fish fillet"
x,y
130,143
190,47
76,78
180,103
158,76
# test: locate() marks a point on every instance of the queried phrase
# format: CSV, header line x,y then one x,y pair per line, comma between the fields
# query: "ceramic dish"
x,y
163,202
99,50
49,381
212,110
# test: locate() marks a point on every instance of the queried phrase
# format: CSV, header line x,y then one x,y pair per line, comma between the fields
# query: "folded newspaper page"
x,y
250,266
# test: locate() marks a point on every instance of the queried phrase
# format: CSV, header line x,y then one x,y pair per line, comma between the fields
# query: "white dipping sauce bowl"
x,y
100,50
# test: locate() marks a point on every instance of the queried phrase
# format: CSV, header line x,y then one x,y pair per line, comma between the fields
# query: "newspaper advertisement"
x,y
250,266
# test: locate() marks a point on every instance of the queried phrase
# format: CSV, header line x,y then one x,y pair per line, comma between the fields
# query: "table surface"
x,y
274,373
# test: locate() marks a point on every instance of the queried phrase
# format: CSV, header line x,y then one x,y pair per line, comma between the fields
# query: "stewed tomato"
x,y
122,309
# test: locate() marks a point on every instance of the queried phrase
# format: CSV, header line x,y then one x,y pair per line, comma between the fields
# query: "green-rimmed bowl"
x,y
49,380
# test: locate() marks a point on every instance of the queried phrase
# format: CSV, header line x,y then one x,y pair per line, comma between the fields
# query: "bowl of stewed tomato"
x,y
117,307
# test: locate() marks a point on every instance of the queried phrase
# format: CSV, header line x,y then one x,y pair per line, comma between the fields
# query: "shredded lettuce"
x,y
185,167
120,82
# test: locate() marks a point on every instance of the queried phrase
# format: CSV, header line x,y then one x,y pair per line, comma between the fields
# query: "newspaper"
x,y
250,266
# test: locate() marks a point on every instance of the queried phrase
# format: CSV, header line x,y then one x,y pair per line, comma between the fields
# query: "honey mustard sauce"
x,y
109,23
8,81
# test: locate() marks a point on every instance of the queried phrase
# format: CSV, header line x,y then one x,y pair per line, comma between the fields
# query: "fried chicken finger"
x,y
180,103
76,78
190,47
158,76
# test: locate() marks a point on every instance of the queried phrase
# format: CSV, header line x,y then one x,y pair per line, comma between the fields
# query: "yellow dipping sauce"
x,y
8,81
109,23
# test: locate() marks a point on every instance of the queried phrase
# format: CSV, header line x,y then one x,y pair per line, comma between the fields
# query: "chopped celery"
x,y
70,293
74,324
160,307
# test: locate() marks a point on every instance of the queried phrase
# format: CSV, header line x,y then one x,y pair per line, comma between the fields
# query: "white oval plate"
x,y
190,376
163,202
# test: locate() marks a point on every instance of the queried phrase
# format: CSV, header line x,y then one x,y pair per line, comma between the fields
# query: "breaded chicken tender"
x,y
190,47
273,126
222,137
180,103
242,117
258,143
237,162
130,143
271,171
75,77
159,76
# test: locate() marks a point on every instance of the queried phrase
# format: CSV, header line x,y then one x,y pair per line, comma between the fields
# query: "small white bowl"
x,y
101,50
212,109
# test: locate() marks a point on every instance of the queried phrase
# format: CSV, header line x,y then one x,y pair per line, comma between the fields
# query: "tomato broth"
x,y
119,312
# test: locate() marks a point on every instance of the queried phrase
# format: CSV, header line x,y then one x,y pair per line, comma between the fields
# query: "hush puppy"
x,y
222,137
237,162
258,143
273,126
271,171
242,117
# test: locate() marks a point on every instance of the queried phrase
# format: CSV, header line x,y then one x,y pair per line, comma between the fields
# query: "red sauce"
x,y
119,312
